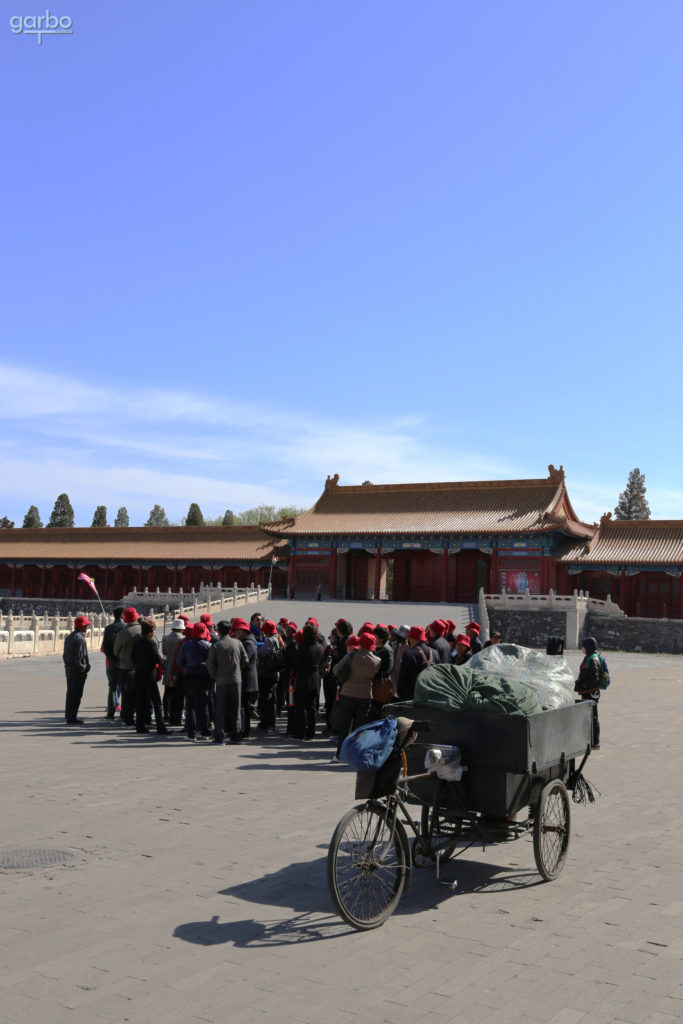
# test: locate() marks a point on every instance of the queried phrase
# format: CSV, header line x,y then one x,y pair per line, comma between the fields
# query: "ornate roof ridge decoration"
x,y
555,477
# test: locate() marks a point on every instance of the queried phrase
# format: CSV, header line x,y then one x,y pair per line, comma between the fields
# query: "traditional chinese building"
x,y
439,542
637,562
433,542
46,562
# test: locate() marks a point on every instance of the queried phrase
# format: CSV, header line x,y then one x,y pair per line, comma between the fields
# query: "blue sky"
x,y
248,245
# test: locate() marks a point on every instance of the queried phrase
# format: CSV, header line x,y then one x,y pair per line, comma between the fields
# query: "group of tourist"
x,y
220,681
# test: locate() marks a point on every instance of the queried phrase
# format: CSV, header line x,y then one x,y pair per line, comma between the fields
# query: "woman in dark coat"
x,y
309,660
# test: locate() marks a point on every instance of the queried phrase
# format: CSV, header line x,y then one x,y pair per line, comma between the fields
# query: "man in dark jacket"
x,y
192,659
587,685
417,656
76,666
240,628
146,658
108,639
122,648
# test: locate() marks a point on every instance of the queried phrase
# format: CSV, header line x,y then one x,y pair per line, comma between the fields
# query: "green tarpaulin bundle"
x,y
463,689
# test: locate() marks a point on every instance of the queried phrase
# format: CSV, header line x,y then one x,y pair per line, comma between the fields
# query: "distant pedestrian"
x,y
494,639
587,686
76,666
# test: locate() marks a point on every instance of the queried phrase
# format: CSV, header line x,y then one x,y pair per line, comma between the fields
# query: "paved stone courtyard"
x,y
196,887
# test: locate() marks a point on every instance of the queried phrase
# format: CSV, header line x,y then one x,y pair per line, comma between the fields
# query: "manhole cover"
x,y
33,858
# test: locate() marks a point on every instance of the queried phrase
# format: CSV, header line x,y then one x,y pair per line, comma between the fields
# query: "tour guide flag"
x,y
89,580
91,583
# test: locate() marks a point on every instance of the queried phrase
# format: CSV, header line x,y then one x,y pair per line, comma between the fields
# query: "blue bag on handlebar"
x,y
367,748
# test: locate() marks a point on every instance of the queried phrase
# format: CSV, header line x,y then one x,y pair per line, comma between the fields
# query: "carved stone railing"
x,y
25,634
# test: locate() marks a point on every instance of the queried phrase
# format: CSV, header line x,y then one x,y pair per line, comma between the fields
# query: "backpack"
x,y
272,661
603,672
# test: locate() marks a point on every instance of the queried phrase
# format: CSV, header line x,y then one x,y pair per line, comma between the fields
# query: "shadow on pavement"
x,y
302,889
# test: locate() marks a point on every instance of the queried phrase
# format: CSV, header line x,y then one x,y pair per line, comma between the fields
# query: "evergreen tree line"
x,y
63,515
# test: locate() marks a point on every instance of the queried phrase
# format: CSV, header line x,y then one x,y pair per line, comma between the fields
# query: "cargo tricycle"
x,y
518,772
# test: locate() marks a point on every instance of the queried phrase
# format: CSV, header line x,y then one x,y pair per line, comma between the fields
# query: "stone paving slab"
x,y
197,888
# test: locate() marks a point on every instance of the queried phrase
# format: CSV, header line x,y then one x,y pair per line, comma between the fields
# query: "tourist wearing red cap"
x,y
463,651
226,662
242,632
146,658
382,684
269,663
76,667
208,622
355,672
473,629
419,655
192,658
437,641
307,690
122,648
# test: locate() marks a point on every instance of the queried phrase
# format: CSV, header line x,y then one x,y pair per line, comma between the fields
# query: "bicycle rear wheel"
x,y
367,865
552,824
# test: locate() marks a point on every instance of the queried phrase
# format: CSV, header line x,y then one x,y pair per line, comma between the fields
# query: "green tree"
x,y
229,517
632,502
32,519
6,524
122,517
100,517
289,512
253,516
157,517
194,515
62,513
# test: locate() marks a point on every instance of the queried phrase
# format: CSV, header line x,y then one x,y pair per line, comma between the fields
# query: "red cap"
x,y
206,619
291,625
298,636
130,615
314,621
366,641
240,624
80,622
391,627
199,632
437,627
450,626
352,641
269,628
364,630
283,621
461,638
417,633
474,626
380,625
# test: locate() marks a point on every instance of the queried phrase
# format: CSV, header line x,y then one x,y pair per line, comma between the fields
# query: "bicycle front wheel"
x,y
367,865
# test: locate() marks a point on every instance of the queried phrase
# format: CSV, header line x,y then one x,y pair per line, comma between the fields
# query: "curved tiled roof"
x,y
137,543
630,542
490,506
